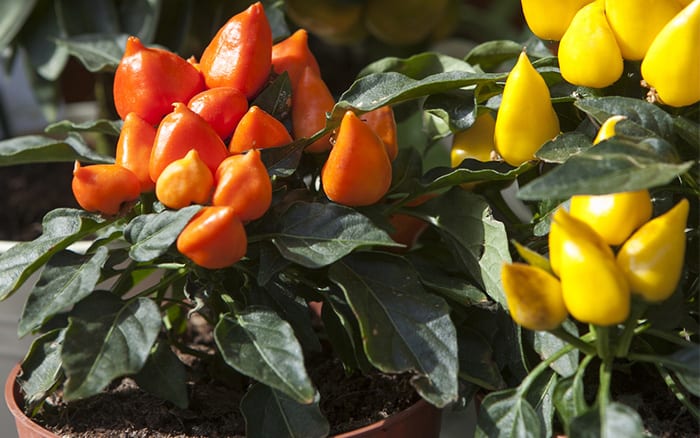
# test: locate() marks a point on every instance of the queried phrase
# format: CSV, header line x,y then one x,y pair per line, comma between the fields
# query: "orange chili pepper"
x,y
221,107
310,103
104,188
149,80
185,181
258,130
134,148
242,182
382,122
214,238
240,54
358,170
292,55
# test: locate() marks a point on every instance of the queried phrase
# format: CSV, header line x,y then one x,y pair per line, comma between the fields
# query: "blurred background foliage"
x,y
68,49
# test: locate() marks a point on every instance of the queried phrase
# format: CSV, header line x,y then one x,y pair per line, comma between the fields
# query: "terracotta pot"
x,y
422,420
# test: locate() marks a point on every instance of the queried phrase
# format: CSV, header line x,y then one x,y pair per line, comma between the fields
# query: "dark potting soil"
x,y
123,410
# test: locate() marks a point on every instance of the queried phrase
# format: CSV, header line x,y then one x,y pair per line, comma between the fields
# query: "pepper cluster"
x,y
193,134
596,37
602,250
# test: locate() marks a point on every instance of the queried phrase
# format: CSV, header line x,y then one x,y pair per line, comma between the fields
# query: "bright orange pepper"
x,y
382,122
292,55
104,188
185,181
134,148
258,130
310,103
242,182
221,107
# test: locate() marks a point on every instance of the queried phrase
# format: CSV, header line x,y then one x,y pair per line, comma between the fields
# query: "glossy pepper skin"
x,y
588,52
215,238
240,54
134,149
292,55
525,118
594,287
383,123
221,107
149,80
258,130
185,181
180,131
534,296
242,182
104,188
357,171
677,82
549,20
475,142
310,103
652,258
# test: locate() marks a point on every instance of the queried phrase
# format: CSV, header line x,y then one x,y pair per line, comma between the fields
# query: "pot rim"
x,y
12,394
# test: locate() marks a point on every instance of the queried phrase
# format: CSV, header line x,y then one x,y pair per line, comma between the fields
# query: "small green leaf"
x,y
616,420
261,345
491,54
469,171
684,363
151,235
164,375
507,414
316,234
646,114
546,344
476,360
417,66
270,413
66,279
276,98
97,52
533,258
404,328
107,338
563,146
41,368
39,149
101,126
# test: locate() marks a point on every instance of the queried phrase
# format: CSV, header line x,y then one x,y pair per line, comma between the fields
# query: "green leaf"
x,y
446,284
684,363
613,165
151,235
97,52
469,171
533,258
164,375
276,98
568,397
563,146
546,344
507,414
39,149
61,227
13,14
41,368
646,114
343,330
417,66
107,338
66,279
37,38
283,161
261,345
477,240
616,420
101,126
491,54
270,413
476,360
315,234
404,328
140,18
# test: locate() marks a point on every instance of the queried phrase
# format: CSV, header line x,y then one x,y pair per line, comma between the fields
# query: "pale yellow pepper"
x,y
549,19
652,258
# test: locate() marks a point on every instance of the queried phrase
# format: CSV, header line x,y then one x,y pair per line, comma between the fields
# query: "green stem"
x,y
541,367
605,376
677,392
577,342
625,339
578,380
651,358
668,337
602,340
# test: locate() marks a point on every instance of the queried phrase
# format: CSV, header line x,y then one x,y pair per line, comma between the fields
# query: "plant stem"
x,y
539,369
602,339
677,392
578,380
575,341
605,375
625,339
667,336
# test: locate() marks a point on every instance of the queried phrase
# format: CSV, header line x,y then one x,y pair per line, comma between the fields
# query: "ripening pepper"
x,y
335,21
292,55
402,22
358,170
240,54
652,258
104,188
180,131
549,20
588,52
534,296
134,149
149,80
258,130
613,216
671,64
310,103
185,181
475,142
525,118
635,23
221,107
594,287
383,123
242,182
214,238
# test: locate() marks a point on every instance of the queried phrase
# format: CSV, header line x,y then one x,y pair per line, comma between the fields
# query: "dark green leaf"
x,y
684,363
469,171
344,331
316,234
646,114
13,14
446,284
61,227
276,98
66,279
41,368
261,345
546,344
151,235
107,338
568,397
37,37
40,149
613,165
563,146
283,161
471,233
270,413
97,52
164,375
491,54
688,130
404,328
140,18
101,126
418,66
617,420
507,414
476,360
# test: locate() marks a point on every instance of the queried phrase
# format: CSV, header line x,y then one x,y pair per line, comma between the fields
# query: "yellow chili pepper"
x,y
652,258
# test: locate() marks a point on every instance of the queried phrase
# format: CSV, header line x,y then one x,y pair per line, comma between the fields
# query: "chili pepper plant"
x,y
474,274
